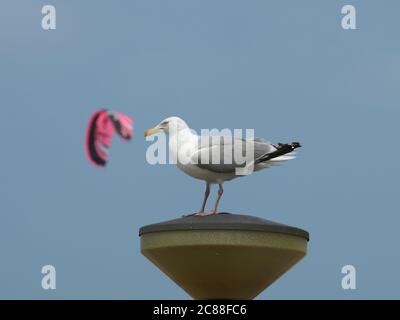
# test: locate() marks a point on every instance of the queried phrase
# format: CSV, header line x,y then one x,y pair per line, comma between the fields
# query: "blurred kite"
x,y
101,127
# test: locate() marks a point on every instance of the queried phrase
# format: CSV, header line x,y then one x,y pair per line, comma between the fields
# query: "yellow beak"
x,y
151,131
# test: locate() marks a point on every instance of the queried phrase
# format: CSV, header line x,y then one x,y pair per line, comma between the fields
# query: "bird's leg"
x,y
206,194
220,192
203,206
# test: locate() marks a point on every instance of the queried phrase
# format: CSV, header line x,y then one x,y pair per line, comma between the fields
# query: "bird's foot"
x,y
201,214
204,214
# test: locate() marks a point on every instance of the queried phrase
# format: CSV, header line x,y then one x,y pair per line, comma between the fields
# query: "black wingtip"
x,y
281,149
296,145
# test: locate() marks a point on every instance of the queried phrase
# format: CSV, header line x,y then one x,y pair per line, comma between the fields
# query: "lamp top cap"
x,y
223,221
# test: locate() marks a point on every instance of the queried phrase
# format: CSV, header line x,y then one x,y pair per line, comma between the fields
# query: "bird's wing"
x,y
262,147
222,154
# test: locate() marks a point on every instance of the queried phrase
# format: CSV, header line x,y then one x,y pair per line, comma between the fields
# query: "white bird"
x,y
194,155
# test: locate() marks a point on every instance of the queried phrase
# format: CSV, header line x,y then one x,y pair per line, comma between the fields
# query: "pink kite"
x,y
102,125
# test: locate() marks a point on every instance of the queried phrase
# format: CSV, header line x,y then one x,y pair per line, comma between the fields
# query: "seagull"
x,y
194,155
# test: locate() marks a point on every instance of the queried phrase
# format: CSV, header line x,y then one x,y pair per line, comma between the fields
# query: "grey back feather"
x,y
223,154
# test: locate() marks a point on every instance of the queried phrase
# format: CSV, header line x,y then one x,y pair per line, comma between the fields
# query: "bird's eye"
x,y
164,123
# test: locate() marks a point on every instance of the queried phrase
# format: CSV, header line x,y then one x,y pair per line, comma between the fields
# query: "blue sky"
x,y
285,68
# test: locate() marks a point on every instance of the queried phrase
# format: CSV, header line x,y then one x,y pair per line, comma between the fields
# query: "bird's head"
x,y
171,125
